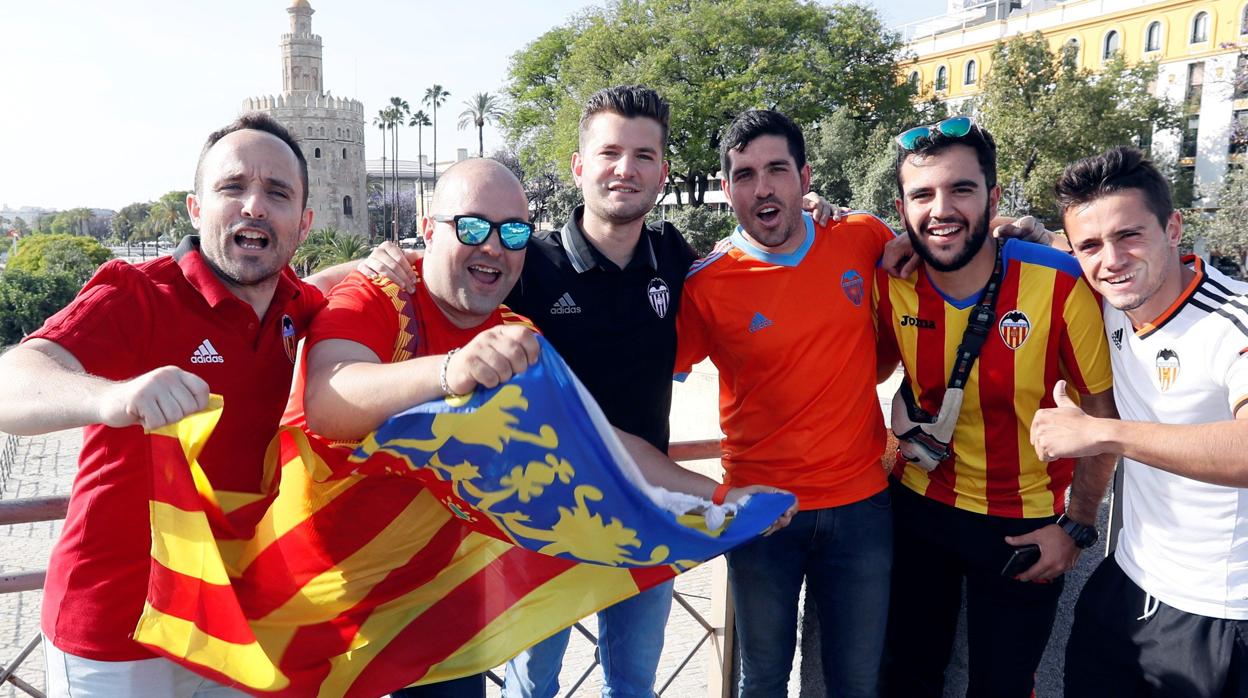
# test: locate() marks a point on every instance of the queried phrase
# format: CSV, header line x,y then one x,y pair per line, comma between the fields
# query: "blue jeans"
x,y
630,639
845,555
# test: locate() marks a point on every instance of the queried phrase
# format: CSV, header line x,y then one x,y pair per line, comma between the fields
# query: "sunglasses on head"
x,y
473,230
955,127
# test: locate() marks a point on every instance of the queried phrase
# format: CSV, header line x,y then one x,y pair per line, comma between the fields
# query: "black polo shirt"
x,y
615,327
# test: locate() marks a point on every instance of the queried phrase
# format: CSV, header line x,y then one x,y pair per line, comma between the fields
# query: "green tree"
x,y
1224,232
326,247
484,108
399,111
128,221
702,226
384,121
20,225
167,217
852,162
75,255
75,221
420,120
711,60
28,298
434,97
1046,112
543,188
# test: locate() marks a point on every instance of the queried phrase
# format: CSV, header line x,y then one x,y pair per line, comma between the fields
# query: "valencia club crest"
x,y
1167,368
290,338
853,286
1014,328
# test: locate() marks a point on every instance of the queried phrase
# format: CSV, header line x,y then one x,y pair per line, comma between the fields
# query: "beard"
x,y
979,235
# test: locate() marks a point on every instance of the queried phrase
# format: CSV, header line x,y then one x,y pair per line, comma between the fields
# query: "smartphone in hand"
x,y
1023,558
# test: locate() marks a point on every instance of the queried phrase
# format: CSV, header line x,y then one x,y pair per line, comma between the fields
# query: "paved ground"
x,y
43,466
46,465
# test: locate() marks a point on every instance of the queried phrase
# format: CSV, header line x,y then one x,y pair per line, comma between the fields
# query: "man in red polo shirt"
x,y
140,347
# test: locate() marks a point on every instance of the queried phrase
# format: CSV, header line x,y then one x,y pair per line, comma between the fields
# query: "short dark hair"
x,y
630,102
254,121
1114,170
977,138
761,122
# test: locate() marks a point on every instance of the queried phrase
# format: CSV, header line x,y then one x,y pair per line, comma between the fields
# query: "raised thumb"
x,y
1060,398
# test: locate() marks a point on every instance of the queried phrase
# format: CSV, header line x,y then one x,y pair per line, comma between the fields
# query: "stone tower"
x,y
330,130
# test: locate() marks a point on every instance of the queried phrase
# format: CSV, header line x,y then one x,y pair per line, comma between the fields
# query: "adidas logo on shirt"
x,y
565,305
1117,337
759,322
206,354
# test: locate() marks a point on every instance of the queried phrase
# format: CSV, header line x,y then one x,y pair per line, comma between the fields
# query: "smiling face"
x,y
946,206
620,167
1126,254
765,187
469,281
249,212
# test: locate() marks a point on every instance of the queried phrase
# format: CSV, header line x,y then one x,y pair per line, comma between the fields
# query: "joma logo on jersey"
x,y
911,321
1167,368
1014,328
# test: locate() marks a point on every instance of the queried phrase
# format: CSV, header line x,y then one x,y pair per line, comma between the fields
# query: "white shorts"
x,y
70,676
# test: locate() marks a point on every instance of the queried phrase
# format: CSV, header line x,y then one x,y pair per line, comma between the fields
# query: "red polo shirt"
x,y
127,320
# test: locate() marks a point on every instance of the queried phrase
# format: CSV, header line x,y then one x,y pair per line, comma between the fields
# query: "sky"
x,y
105,104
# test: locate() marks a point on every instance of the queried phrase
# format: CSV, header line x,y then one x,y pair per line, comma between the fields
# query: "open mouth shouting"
x,y
768,214
254,236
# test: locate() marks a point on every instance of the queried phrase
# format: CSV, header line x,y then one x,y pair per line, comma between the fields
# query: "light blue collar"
x,y
792,259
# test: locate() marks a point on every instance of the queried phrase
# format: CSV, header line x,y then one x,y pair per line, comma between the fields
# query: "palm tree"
x,y
434,97
326,247
420,120
399,110
382,122
484,108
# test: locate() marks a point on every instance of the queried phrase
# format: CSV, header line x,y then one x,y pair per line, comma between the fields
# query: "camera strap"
x,y
925,438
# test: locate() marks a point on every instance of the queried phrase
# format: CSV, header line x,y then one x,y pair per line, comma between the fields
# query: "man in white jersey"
x,y
1167,613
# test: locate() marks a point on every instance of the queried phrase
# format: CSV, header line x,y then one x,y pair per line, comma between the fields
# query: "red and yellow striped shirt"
x,y
1047,328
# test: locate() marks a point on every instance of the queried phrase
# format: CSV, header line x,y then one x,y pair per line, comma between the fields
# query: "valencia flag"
x,y
451,539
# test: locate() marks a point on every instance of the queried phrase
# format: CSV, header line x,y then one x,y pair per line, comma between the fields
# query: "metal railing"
x,y
717,629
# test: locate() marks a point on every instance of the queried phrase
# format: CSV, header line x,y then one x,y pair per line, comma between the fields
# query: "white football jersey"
x,y
1185,542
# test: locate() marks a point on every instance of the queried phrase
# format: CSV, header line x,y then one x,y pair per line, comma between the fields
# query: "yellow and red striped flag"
x,y
454,537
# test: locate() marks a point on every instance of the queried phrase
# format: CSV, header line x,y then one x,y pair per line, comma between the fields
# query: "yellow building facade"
x,y
1196,43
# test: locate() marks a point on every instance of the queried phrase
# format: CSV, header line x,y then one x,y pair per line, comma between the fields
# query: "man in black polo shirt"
x,y
604,290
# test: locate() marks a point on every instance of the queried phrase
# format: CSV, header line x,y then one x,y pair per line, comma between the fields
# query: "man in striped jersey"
x,y
1166,613
961,511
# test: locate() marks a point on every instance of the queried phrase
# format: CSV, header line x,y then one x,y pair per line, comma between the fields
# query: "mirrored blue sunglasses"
x,y
954,127
473,230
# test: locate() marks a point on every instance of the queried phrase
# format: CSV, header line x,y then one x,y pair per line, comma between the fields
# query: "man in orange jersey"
x,y
783,308
364,363
962,510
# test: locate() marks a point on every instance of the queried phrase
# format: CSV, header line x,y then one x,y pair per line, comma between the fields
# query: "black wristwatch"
x,y
1084,536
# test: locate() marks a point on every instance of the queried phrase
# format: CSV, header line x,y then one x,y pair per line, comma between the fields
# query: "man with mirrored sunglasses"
x,y
473,230
378,349
985,331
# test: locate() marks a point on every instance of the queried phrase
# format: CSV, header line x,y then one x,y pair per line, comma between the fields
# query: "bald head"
x,y
468,282
465,183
